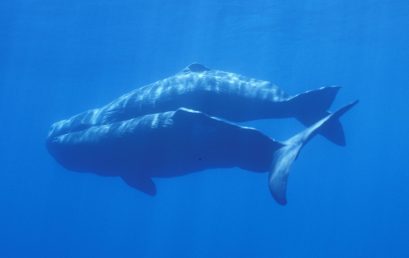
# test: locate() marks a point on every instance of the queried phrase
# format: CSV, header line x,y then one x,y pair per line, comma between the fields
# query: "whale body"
x,y
227,95
166,144
175,143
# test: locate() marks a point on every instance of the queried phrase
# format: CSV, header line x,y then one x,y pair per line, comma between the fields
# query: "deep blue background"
x,y
60,57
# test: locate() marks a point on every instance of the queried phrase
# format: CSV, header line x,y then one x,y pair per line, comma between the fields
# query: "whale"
x,y
176,143
227,95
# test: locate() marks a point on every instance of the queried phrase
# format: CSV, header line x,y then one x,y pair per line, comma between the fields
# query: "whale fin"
x,y
141,183
284,157
311,106
196,68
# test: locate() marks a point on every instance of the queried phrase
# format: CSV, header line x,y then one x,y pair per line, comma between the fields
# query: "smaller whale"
x,y
227,95
176,143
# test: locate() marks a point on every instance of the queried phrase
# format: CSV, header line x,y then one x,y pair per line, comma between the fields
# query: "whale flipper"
x,y
284,157
318,102
144,184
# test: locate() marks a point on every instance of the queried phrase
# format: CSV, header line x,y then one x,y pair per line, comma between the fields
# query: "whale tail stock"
x,y
311,106
285,156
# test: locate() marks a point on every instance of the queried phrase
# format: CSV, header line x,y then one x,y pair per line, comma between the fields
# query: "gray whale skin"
x,y
185,123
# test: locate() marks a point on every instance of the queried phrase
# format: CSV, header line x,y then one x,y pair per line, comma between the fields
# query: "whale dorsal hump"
x,y
196,68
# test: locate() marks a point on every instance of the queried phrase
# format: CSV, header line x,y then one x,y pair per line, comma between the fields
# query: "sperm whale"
x,y
227,95
175,143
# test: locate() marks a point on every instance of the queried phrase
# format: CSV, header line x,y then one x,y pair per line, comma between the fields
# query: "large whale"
x,y
174,143
217,93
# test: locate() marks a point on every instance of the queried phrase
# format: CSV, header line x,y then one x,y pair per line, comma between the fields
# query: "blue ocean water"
x,y
58,58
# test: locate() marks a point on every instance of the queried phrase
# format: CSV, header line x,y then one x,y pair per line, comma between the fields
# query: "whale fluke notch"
x,y
319,101
284,157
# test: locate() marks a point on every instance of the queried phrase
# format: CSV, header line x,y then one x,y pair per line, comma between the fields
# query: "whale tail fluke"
x,y
311,106
285,156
